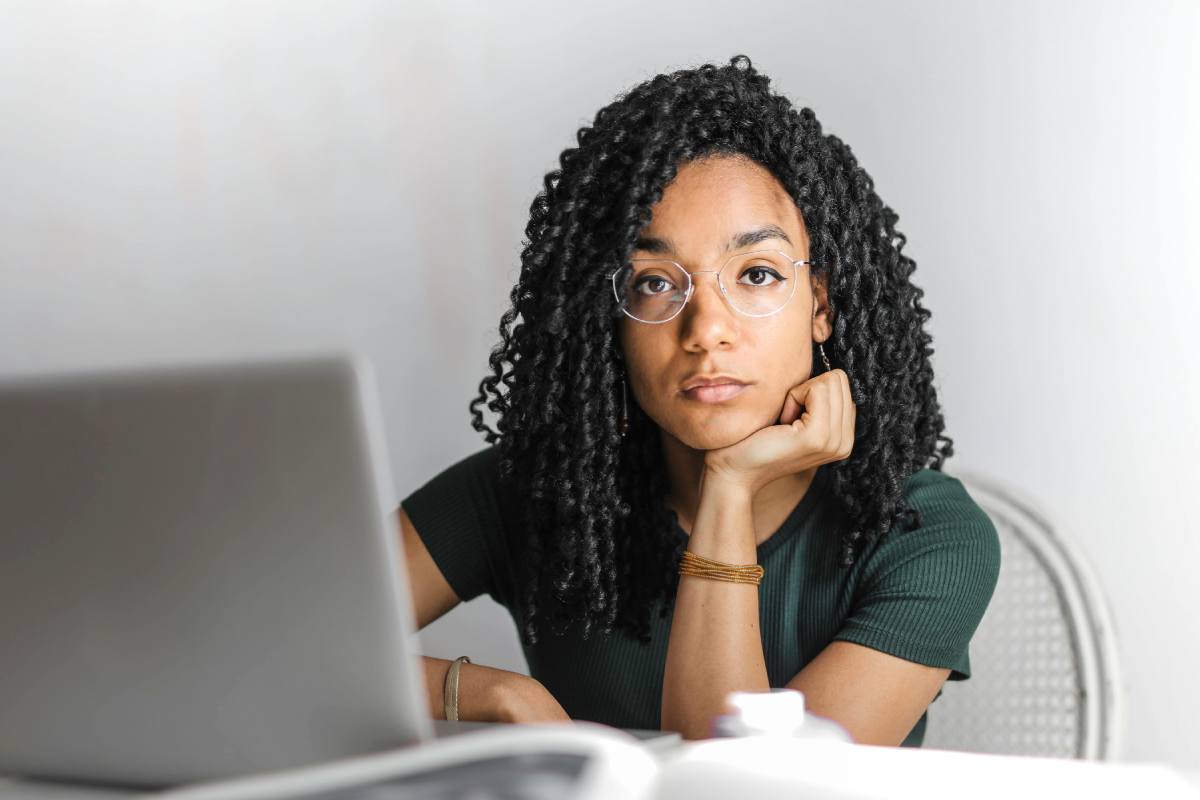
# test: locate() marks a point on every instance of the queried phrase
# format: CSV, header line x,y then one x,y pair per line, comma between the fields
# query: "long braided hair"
x,y
599,544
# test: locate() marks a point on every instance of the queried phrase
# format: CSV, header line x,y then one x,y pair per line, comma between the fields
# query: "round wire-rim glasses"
x,y
619,275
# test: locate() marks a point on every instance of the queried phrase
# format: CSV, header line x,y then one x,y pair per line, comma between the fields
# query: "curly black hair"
x,y
600,547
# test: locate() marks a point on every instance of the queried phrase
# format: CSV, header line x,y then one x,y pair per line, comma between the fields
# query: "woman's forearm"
x,y
481,690
715,645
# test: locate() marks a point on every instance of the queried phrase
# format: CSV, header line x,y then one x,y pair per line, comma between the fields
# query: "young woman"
x,y
717,461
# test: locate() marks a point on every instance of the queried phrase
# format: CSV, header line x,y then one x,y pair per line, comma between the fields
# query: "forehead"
x,y
713,199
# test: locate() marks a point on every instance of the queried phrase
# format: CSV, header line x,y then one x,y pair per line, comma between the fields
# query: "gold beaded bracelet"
x,y
701,567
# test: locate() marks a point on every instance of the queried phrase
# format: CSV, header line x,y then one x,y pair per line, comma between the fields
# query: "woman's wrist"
x,y
485,694
724,524
718,483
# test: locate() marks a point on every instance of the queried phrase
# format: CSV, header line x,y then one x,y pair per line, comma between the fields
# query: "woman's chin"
x,y
724,431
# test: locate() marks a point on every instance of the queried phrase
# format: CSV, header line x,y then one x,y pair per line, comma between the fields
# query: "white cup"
x,y
778,712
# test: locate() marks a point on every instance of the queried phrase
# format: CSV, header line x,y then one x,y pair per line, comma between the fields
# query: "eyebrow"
x,y
662,246
653,244
757,235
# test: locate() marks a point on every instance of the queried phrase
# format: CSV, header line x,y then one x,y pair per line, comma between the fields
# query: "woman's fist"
x,y
815,426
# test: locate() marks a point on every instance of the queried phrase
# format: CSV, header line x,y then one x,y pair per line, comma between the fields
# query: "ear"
x,y
822,321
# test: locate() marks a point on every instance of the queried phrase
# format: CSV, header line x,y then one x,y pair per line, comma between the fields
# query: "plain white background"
x,y
201,179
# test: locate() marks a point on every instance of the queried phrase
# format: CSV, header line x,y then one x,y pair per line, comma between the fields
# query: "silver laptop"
x,y
199,574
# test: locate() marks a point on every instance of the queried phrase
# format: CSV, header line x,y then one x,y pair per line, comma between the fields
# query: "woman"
x,y
715,364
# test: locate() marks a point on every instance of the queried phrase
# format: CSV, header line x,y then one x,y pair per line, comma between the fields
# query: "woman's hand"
x,y
816,426
521,698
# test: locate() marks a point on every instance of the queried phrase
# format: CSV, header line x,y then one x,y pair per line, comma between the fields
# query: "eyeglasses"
x,y
758,284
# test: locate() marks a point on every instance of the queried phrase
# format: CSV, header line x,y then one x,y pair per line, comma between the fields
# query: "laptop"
x,y
200,574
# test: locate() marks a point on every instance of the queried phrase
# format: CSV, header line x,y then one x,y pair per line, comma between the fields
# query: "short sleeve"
x,y
923,592
457,513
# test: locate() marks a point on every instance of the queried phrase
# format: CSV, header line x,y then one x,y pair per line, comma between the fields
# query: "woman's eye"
x,y
657,285
761,276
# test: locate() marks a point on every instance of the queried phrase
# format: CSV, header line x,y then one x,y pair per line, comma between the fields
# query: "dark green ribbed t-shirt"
x,y
918,594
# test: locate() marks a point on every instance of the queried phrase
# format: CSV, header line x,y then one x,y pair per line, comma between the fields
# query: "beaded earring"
x,y
624,424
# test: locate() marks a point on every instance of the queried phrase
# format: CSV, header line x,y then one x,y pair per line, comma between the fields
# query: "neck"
x,y
772,503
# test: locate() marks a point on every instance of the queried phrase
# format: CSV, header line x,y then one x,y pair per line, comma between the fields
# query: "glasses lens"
x,y
759,283
652,291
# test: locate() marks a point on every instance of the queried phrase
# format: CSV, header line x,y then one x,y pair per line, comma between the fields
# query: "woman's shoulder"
x,y
483,460
467,491
950,527
943,499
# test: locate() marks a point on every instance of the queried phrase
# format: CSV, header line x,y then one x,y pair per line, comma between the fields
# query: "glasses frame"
x,y
691,285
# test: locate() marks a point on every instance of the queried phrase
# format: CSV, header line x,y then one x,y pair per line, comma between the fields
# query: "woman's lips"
x,y
716,393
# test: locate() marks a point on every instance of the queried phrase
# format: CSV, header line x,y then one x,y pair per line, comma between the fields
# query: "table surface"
x,y
12,788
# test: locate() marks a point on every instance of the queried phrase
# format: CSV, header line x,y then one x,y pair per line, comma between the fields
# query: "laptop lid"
x,y
200,574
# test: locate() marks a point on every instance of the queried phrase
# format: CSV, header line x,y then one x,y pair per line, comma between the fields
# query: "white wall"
x,y
192,179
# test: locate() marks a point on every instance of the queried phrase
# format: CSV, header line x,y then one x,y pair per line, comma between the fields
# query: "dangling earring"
x,y
821,345
624,424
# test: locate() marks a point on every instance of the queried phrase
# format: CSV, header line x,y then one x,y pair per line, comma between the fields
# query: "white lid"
x,y
776,711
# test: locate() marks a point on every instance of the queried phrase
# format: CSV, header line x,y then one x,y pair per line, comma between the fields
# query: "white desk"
x,y
766,769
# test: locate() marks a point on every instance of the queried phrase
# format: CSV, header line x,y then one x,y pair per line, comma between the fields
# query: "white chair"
x,y
1045,678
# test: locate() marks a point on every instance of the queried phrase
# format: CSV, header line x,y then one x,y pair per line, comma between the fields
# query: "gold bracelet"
x,y
450,688
701,567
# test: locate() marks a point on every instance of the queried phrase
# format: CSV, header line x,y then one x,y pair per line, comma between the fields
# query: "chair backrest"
x,y
1045,677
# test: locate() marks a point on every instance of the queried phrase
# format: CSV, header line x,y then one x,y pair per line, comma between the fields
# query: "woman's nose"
x,y
708,319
